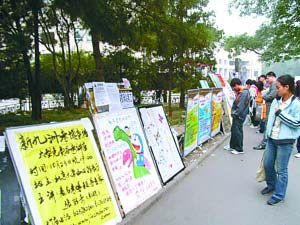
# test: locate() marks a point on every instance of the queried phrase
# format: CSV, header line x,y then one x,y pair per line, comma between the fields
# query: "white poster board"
x,y
126,99
62,174
128,157
113,93
161,141
101,97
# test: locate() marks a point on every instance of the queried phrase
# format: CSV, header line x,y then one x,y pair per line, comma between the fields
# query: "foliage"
x,y
278,37
18,42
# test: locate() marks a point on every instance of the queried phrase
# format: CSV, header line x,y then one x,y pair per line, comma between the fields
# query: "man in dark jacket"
x,y
239,111
268,97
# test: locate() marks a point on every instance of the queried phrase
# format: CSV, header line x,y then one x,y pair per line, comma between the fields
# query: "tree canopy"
x,y
155,44
277,39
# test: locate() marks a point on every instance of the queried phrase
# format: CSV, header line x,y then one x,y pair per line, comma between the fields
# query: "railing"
x,y
26,106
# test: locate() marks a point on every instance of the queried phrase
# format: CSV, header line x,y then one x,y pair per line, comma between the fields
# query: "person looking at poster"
x,y
239,111
268,97
283,128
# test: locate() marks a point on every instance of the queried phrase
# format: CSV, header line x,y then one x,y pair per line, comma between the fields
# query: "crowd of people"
x,y
272,106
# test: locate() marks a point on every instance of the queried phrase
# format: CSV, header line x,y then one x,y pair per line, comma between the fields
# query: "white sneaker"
x,y
235,152
297,155
252,126
227,148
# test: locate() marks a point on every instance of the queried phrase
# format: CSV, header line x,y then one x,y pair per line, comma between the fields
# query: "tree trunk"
x,y
182,88
170,74
36,98
97,56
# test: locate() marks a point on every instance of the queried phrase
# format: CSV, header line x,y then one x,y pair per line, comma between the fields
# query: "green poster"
x,y
192,122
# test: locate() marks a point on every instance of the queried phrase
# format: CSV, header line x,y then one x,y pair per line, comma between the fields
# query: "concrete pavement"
x,y
222,191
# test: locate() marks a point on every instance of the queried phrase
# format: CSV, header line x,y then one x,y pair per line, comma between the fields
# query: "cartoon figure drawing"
x,y
135,154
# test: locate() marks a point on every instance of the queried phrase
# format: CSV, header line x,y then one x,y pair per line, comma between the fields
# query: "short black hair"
x,y
260,85
287,80
249,81
271,74
297,88
262,76
235,81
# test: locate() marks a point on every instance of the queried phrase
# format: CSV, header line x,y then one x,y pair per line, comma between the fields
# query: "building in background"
x,y
246,66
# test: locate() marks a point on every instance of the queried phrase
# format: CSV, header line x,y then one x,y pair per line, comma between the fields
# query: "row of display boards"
x,y
66,180
203,117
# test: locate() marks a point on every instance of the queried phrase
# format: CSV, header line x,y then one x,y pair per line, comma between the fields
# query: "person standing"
x,y
268,97
239,111
297,94
283,128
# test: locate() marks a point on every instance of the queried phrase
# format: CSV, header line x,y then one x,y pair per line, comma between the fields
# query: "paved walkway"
x,y
222,191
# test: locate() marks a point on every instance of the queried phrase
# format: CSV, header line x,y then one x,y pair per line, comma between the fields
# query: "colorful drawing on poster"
x,y
128,157
205,115
192,122
135,153
162,143
217,97
62,174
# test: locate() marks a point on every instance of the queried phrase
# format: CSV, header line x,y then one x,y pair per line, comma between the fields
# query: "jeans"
x,y
277,179
236,139
298,145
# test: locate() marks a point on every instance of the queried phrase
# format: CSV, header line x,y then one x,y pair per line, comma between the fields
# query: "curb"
x,y
132,216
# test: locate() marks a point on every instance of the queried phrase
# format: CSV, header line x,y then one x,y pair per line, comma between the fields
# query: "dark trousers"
x,y
236,139
262,126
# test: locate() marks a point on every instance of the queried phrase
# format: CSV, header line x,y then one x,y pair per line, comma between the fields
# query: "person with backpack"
x,y
239,111
283,128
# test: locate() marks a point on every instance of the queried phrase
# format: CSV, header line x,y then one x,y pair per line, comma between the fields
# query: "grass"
x,y
178,115
58,115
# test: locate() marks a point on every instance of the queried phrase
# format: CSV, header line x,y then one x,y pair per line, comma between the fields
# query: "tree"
x,y
58,32
279,36
19,35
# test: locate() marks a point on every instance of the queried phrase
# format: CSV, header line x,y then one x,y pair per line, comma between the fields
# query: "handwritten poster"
x,y
128,157
191,123
162,143
126,98
205,115
101,97
217,97
62,175
113,93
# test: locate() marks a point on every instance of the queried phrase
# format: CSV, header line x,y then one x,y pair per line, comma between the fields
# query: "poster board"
x,y
128,157
205,115
215,80
101,97
191,122
62,174
161,141
226,117
204,84
217,97
126,98
113,94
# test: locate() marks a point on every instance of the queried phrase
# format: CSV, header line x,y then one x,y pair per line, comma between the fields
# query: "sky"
x,y
233,24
